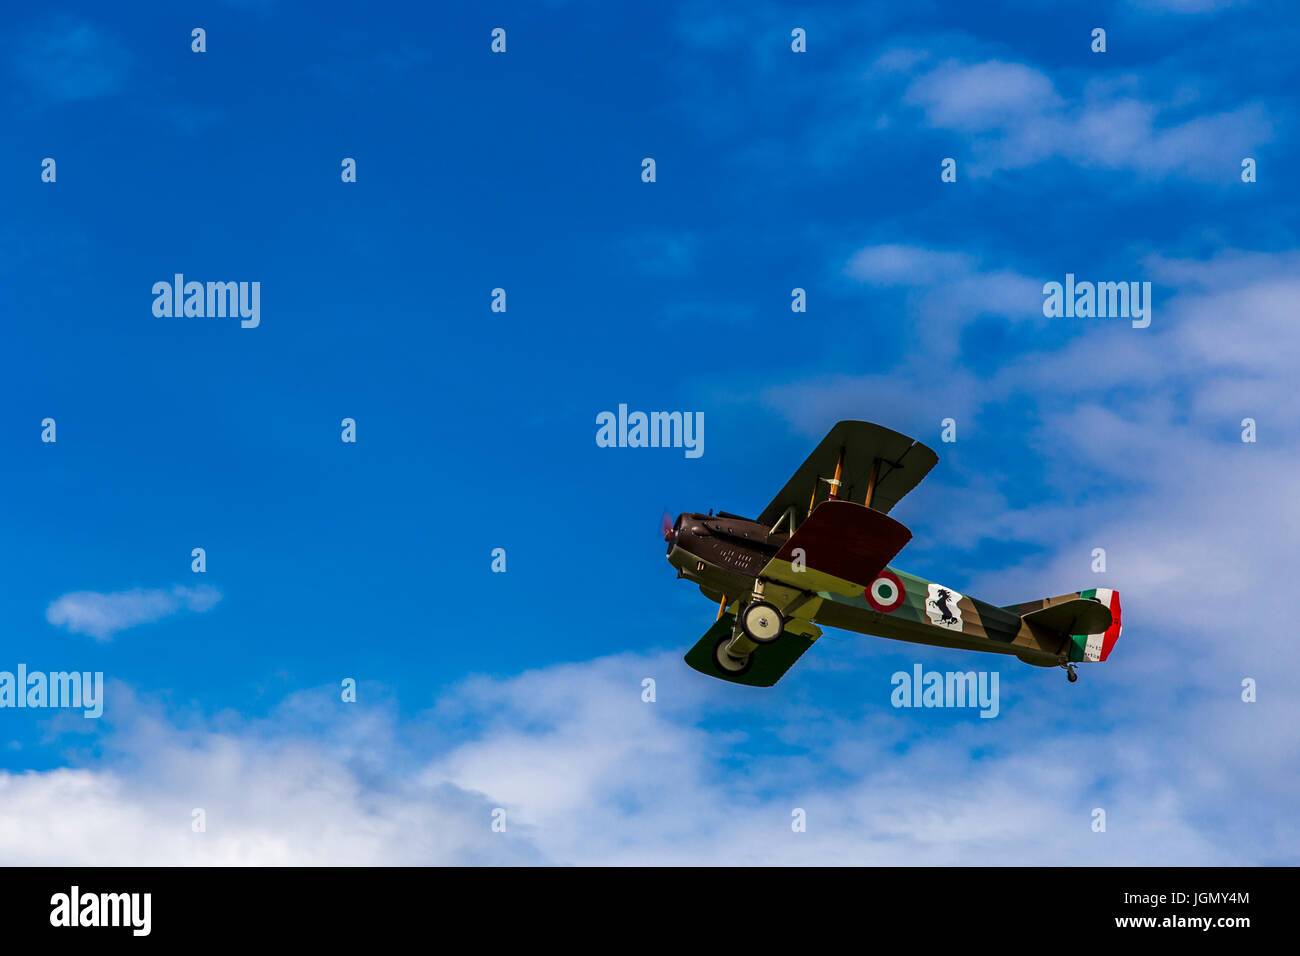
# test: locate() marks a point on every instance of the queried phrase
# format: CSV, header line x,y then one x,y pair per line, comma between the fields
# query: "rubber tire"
x,y
718,653
771,610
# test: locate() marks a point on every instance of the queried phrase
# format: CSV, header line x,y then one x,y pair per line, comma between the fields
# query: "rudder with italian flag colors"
x,y
1097,647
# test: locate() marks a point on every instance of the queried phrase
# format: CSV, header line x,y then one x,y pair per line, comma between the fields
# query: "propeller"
x,y
666,525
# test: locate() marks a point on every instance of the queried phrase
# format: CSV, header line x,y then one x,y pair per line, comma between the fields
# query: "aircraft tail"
x,y
1088,620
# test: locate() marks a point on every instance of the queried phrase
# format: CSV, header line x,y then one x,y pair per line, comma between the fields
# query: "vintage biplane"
x,y
819,555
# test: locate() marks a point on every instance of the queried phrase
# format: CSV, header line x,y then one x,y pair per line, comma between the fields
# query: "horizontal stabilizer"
x,y
1079,616
1089,621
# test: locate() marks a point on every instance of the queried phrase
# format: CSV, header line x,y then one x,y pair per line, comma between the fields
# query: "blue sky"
x,y
522,170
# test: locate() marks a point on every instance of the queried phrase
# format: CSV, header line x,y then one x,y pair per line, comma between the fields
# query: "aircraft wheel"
x,y
762,622
725,662
1071,675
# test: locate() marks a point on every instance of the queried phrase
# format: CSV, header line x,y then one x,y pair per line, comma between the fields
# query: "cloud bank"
x,y
589,773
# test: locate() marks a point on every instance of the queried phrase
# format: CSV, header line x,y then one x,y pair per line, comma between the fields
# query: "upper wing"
x,y
898,463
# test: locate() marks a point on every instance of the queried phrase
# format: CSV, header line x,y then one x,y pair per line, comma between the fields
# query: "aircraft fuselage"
x,y
724,554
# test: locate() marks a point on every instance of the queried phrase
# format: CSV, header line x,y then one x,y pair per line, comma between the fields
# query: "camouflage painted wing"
x,y
767,667
898,463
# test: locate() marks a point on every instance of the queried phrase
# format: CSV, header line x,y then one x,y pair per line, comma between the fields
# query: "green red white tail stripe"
x,y
1097,647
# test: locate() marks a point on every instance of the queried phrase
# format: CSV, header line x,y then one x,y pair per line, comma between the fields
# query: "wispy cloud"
x,y
946,290
989,106
663,254
103,615
69,59
1015,117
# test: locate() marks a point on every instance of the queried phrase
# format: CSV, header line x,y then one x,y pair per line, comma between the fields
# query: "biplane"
x,y
819,555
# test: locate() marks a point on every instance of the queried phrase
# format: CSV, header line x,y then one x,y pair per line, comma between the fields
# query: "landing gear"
x,y
1070,673
735,666
762,622
757,623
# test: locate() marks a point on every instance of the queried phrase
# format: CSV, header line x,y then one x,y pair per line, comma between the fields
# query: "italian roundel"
x,y
886,593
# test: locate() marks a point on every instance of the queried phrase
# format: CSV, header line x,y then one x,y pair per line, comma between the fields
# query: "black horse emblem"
x,y
942,602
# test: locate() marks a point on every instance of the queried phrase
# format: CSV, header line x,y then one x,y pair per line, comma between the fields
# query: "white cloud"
x,y
953,284
103,615
1176,116
907,265
943,292
588,773
1016,117
979,96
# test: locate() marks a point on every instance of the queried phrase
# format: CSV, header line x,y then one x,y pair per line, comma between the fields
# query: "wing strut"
x,y
839,470
833,482
871,482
